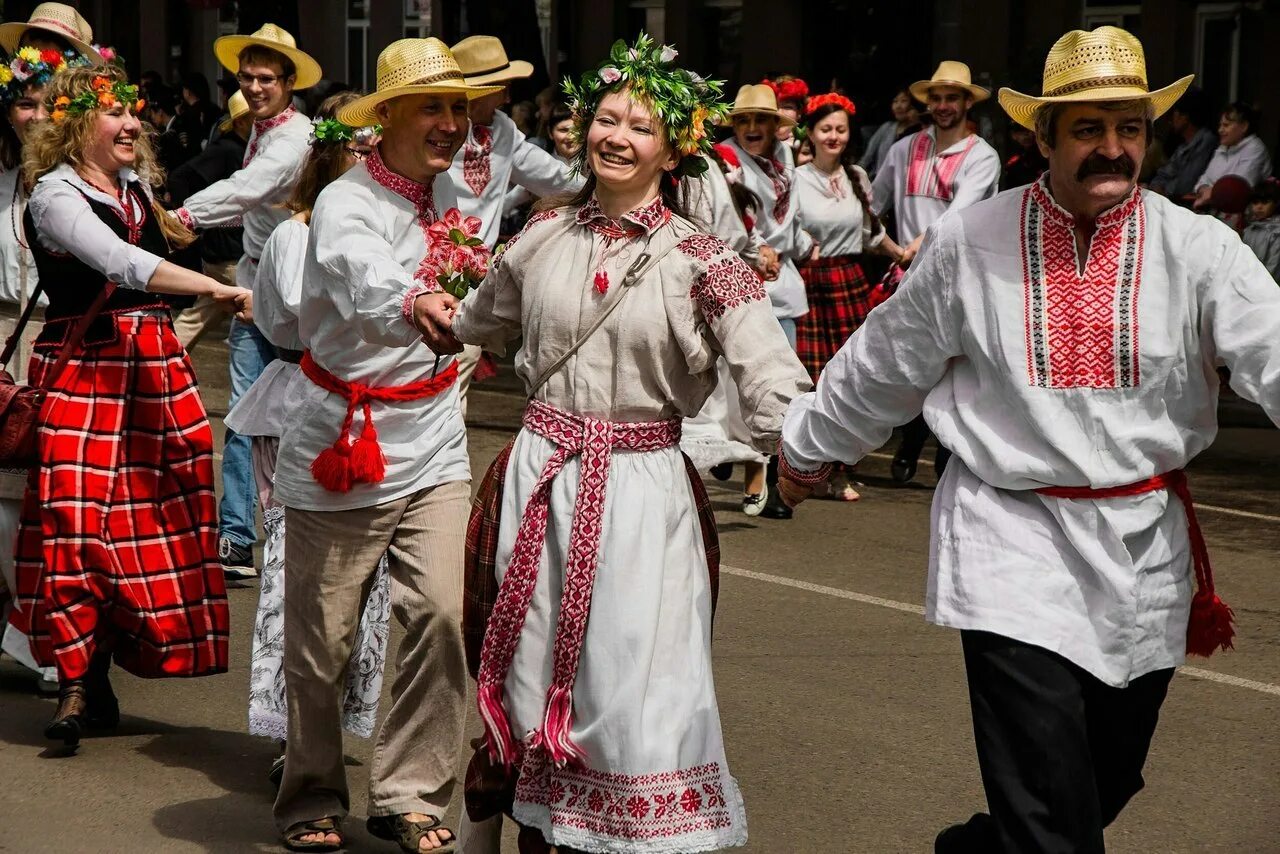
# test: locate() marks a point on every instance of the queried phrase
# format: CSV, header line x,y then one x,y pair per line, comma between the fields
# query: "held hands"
x,y
909,254
238,301
433,315
768,264
793,493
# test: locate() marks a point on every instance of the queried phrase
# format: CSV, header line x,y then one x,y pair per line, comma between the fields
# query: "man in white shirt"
x,y
374,460
942,168
1241,152
1063,340
269,68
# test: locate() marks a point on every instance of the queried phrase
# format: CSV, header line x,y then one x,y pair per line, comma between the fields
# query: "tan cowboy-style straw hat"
x,y
411,67
759,98
237,106
1104,65
59,19
228,49
483,60
949,73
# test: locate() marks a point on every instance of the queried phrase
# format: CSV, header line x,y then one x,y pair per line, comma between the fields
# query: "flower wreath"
x,y
688,106
33,67
103,94
819,101
786,88
332,130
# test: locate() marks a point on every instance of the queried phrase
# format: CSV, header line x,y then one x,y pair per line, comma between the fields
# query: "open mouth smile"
x,y
614,159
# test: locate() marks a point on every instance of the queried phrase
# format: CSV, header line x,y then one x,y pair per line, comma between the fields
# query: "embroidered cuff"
x,y
406,306
184,216
809,478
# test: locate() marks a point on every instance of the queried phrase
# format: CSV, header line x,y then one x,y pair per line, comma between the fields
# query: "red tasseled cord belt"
x,y
347,463
1209,628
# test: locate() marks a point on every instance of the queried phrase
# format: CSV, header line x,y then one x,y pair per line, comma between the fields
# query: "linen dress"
x,y
651,774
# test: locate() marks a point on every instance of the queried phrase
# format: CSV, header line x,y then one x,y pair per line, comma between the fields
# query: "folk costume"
x,y
373,460
253,197
1073,392
116,555
600,550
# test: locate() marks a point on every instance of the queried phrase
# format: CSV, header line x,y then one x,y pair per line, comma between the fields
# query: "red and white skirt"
x,y
118,544
838,293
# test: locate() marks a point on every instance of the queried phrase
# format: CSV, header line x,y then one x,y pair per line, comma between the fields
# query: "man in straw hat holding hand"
x,y
270,68
375,460
942,168
1063,340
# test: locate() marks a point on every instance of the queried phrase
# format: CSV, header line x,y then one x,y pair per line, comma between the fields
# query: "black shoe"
x,y
976,836
902,470
724,471
237,560
774,506
102,709
69,720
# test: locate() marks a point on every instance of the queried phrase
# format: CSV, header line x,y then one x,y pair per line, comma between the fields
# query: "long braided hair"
x,y
848,160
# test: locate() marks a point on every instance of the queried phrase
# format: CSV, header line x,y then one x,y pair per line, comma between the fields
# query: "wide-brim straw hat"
x,y
949,73
758,98
412,67
228,49
1107,64
483,60
59,19
237,106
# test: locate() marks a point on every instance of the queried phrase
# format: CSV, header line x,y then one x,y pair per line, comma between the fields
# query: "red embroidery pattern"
x,y
934,175
476,168
264,126
1081,326
643,219
540,216
664,805
593,441
777,173
727,281
184,216
423,198
704,247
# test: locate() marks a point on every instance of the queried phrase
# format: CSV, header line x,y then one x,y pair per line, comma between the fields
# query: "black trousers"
x,y
1061,752
914,434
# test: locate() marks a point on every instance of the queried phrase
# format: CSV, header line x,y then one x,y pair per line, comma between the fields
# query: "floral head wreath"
x,y
787,88
819,101
688,106
33,67
332,130
103,94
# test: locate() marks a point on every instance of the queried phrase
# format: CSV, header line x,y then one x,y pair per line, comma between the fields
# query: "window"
x,y
1218,50
358,44
417,19
1098,13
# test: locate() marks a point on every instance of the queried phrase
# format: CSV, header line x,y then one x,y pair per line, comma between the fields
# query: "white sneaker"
x,y
752,504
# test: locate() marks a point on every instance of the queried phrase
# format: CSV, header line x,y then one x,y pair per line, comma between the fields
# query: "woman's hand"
x,y
767,263
233,300
433,315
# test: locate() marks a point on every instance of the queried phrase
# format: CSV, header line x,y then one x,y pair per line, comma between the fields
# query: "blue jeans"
x,y
788,325
237,513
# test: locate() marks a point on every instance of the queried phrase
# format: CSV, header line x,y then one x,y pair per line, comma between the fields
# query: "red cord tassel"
x,y
368,464
1210,626
556,725
332,469
601,281
497,729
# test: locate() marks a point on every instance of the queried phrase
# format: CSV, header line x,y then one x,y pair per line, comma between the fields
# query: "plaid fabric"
x,y
118,539
838,291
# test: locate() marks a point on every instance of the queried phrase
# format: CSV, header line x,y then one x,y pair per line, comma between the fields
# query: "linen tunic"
x,y
655,778
921,184
831,213
368,239
1036,374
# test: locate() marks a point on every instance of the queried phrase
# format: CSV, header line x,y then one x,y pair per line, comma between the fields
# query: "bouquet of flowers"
x,y
457,259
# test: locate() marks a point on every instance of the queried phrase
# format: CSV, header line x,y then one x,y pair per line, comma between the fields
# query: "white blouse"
x,y
17,267
277,289
832,214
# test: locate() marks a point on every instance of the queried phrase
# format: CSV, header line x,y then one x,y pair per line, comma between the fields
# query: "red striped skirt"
x,y
118,544
837,290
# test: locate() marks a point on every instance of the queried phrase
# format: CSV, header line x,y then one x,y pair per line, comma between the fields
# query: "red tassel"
x,y
497,729
601,281
556,726
368,465
1210,627
332,469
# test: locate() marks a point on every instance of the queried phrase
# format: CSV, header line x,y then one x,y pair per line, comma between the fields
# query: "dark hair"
x,y
32,34
228,85
1267,191
1242,112
848,160
151,78
1194,104
197,84
10,146
256,54
162,98
559,113
324,163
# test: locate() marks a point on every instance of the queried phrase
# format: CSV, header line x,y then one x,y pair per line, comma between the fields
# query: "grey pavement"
x,y
845,714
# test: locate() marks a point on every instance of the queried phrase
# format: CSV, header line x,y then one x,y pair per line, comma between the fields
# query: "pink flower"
x,y
107,53
610,75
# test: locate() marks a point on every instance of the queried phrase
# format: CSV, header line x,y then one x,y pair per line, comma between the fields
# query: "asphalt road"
x,y
845,714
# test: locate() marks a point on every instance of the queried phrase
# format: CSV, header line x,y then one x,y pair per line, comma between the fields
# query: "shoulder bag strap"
x,y
11,343
77,334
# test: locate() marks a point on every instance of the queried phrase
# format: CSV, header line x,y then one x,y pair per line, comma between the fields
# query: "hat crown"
x,y
952,71
755,97
60,18
273,33
480,54
416,61
1107,56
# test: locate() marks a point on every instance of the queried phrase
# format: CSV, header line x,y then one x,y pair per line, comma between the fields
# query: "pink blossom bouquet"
x,y
457,259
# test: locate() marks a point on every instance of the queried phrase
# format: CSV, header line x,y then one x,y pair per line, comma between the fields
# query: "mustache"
x,y
1096,164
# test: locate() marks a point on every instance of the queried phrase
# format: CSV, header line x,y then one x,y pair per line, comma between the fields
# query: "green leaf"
x,y
457,235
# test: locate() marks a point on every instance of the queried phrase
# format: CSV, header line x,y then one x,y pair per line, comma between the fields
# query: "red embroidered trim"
x,y
423,198
265,126
777,173
933,175
406,305
593,441
727,282
540,216
663,805
809,478
703,247
184,216
643,219
476,167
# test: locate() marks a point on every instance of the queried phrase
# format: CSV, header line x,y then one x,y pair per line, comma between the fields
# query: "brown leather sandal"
x,y
69,720
408,834
293,836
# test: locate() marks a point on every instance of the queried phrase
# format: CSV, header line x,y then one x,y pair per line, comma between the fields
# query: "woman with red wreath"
x,y
834,198
791,92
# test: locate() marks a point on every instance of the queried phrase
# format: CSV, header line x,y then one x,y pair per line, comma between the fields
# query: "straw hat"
x,y
949,73
483,60
228,49
237,106
59,19
411,67
759,98
1104,65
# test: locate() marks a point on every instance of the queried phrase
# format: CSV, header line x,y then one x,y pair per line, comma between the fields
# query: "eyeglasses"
x,y
264,80
357,153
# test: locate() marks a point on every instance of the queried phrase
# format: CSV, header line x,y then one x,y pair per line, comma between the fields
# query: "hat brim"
x,y
783,120
517,69
363,112
306,69
1023,108
920,89
11,35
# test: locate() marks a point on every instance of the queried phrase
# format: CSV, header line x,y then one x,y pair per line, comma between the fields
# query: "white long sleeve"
x,y
277,289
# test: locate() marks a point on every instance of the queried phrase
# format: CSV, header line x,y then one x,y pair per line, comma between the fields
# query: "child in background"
x,y
1262,235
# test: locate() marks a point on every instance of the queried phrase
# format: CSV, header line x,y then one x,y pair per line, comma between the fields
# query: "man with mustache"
x,y
942,168
1063,340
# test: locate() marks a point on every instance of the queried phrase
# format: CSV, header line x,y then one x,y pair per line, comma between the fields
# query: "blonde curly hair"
x,y
51,143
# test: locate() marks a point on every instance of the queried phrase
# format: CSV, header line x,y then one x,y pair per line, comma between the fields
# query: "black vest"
x,y
71,285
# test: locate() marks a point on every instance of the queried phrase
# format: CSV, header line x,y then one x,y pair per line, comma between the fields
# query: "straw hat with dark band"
x,y
759,98
949,73
56,18
228,49
1107,64
483,60
411,67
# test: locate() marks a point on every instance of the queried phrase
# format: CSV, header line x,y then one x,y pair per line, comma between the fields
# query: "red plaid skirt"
x,y
837,290
118,544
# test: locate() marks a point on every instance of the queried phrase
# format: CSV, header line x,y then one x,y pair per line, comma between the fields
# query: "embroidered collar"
x,y
1109,218
643,220
394,181
261,126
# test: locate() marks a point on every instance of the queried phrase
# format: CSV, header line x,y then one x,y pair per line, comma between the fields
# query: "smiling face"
x,y
627,149
1232,129
949,106
1096,155
830,136
422,133
901,107
111,141
562,136
756,133
265,88
25,109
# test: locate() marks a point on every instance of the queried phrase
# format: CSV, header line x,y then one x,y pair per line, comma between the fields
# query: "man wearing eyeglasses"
x,y
269,68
